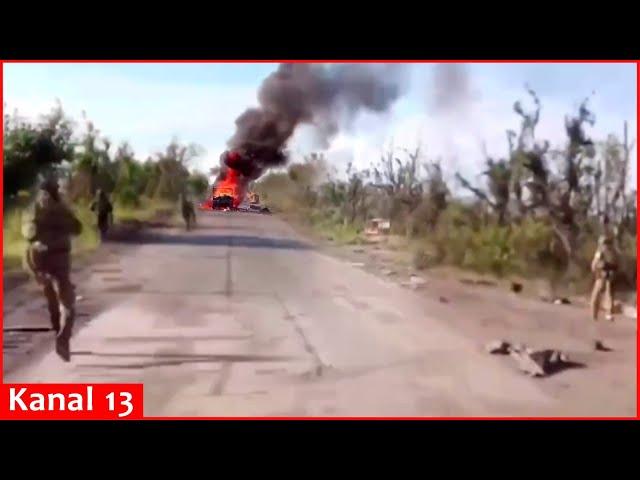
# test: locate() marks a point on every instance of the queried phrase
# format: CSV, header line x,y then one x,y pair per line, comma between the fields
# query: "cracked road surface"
x,y
242,317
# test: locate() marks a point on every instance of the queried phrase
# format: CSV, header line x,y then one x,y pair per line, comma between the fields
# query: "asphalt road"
x,y
242,317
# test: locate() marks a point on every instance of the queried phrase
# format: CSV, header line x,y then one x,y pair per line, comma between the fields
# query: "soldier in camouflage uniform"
x,y
604,267
188,212
104,211
48,227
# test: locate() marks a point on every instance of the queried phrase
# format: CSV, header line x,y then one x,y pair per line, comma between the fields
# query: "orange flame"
x,y
232,186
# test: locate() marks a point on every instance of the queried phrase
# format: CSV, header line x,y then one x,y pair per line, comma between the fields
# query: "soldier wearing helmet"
x,y
187,210
48,226
604,267
103,209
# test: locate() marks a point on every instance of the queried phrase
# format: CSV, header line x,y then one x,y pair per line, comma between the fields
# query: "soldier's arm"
x,y
595,263
29,226
75,227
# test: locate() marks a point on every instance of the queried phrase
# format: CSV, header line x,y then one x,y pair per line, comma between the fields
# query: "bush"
x,y
424,258
128,197
14,243
531,242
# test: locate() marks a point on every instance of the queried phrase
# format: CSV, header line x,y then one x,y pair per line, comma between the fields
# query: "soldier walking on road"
x,y
48,227
188,212
604,267
104,211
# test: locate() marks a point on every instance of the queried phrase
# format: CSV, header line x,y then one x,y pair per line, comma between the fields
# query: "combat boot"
x,y
62,348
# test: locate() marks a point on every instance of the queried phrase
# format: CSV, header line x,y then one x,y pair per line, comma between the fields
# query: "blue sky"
x,y
148,104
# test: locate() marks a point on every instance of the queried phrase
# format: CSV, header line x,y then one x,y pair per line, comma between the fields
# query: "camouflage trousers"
x,y
189,217
53,273
602,290
103,224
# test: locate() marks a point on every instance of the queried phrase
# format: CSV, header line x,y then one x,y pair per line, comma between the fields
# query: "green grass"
x,y
147,210
330,228
14,244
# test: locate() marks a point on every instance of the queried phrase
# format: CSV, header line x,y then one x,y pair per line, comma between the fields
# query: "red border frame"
x,y
637,62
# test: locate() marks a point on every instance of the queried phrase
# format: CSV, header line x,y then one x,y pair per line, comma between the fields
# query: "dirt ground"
x,y
248,316
484,308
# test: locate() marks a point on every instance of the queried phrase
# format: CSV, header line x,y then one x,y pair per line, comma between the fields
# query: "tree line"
x,y
86,161
537,207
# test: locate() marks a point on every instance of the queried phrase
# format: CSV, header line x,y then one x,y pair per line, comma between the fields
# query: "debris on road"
x,y
387,272
601,347
538,363
498,347
357,264
358,250
443,300
516,287
562,301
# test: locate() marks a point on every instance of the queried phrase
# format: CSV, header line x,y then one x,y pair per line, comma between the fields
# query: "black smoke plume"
x,y
326,96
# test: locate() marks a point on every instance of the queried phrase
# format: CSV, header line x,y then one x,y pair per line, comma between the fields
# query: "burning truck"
x,y
325,96
230,191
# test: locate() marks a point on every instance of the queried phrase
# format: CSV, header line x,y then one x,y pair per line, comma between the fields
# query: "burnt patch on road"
x,y
124,289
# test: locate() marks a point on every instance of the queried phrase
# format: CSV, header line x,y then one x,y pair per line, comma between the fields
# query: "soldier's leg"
x,y
66,301
596,296
52,304
61,275
608,299
103,226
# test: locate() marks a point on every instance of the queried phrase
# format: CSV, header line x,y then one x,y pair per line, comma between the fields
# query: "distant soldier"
x,y
604,267
48,227
103,209
188,212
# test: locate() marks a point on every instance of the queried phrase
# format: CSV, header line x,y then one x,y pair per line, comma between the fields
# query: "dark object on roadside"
x,y
601,347
443,300
516,287
498,347
562,301
539,363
